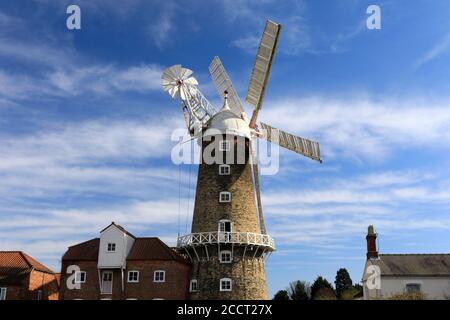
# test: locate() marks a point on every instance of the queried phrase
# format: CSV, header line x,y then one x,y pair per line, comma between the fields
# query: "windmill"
x,y
200,116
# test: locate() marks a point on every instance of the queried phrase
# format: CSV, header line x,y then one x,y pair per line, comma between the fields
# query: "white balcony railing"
x,y
240,238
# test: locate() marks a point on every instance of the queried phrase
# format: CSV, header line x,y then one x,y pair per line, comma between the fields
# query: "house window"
x,y
80,277
159,276
2,293
224,169
224,145
111,247
39,295
225,256
133,276
225,284
413,288
193,286
225,196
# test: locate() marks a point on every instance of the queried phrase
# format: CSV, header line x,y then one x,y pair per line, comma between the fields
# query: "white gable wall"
x,y
434,287
123,242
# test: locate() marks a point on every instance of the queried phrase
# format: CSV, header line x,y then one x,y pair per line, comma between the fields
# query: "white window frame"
x,y
222,223
191,285
3,291
128,276
113,245
224,280
225,193
78,276
226,171
224,145
225,252
159,271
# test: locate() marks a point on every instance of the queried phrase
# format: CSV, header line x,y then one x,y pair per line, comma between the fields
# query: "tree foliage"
x,y
343,282
318,284
281,295
299,290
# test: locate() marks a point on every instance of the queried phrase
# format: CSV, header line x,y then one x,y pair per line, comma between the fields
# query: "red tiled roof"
x,y
153,249
15,264
86,251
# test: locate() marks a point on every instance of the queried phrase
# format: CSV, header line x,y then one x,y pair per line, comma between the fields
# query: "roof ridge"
x,y
24,256
84,242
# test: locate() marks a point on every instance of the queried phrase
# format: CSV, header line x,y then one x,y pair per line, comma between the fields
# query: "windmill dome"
x,y
227,122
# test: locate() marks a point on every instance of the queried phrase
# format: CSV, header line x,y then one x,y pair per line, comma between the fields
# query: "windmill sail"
x,y
223,83
286,140
261,69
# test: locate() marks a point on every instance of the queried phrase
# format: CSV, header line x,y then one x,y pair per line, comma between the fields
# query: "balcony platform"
x,y
263,241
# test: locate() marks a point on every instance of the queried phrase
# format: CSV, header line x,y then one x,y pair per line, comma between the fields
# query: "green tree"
x,y
281,295
299,290
319,284
343,282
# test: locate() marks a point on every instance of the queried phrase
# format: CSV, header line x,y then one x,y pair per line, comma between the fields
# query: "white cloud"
x,y
438,49
337,209
163,26
362,128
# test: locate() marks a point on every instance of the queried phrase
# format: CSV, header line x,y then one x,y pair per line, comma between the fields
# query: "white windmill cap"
x,y
227,122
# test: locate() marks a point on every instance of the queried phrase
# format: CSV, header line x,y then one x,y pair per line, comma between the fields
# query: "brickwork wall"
x,y
242,209
247,273
175,286
30,285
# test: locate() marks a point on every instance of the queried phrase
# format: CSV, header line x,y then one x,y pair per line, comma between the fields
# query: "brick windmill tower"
x,y
228,244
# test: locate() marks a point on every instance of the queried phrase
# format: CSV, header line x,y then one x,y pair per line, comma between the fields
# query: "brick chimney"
x,y
371,243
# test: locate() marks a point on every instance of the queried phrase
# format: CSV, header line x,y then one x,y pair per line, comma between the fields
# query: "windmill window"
x,y
159,276
224,169
80,277
111,247
224,145
225,196
224,226
193,286
225,284
225,256
133,276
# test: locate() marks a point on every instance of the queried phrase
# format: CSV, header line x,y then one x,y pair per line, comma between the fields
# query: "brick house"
x,y
119,265
24,278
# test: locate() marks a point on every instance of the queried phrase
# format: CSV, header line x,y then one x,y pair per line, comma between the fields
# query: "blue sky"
x,y
85,126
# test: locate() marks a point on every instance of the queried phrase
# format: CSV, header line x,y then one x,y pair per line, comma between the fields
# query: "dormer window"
x,y
111,247
224,145
224,197
224,169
